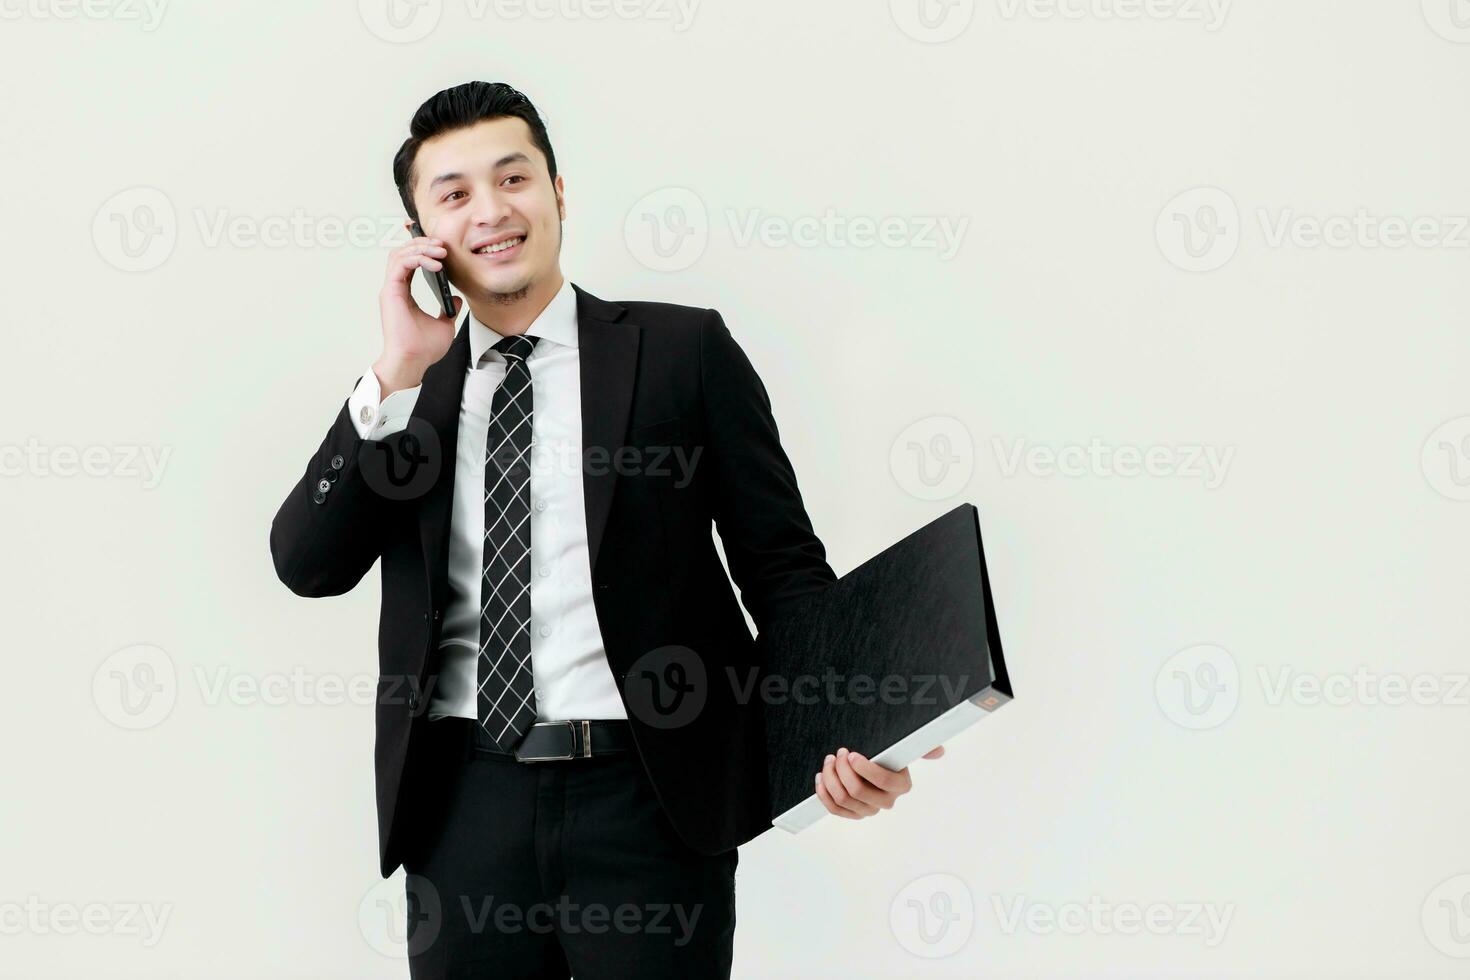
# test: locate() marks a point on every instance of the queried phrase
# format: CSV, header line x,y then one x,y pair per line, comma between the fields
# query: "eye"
x,y
516,177
451,194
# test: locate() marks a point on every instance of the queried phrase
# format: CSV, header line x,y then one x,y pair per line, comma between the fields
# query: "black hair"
x,y
457,108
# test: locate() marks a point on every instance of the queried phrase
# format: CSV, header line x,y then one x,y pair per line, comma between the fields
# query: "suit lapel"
x,y
608,353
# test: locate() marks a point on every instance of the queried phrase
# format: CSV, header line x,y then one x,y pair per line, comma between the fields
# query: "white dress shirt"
x,y
568,663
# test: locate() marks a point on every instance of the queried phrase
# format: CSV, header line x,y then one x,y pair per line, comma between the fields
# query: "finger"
x,y
935,752
827,801
858,792
858,787
839,792
888,780
404,265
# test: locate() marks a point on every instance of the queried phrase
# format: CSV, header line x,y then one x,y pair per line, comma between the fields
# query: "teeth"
x,y
501,247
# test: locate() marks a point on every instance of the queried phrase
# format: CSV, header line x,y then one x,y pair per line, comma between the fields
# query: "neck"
x,y
510,314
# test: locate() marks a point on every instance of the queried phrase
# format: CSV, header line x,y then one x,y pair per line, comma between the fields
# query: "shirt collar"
x,y
557,323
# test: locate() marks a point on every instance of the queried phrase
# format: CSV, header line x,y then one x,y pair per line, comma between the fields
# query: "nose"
x,y
490,209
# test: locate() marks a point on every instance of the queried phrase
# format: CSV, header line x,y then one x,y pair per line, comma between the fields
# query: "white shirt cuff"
x,y
374,416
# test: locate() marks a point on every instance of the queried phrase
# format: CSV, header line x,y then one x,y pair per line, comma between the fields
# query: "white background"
x,y
1070,313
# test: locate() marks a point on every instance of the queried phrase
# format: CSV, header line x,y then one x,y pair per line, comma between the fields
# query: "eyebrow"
x,y
516,157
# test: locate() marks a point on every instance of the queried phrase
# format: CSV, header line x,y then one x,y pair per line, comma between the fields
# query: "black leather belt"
x,y
544,741
552,741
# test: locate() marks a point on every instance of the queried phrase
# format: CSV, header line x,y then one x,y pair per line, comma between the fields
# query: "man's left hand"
x,y
853,786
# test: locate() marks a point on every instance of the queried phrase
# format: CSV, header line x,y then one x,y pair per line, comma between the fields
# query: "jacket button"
x,y
337,462
330,475
413,700
319,497
323,485
438,614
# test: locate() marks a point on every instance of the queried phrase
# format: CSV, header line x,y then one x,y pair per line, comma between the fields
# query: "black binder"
x,y
897,656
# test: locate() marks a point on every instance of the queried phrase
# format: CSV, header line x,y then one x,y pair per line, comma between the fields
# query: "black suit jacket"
x,y
660,380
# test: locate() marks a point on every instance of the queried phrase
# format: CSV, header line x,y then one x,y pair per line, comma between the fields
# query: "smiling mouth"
x,y
511,246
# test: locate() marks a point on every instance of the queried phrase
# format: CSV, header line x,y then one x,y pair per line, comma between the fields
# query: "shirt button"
x,y
545,631
366,415
545,571
540,505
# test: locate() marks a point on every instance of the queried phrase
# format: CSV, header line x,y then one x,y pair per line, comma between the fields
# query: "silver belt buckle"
x,y
571,752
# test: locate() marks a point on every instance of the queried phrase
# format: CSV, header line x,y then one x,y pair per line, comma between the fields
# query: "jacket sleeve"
x,y
776,559
324,540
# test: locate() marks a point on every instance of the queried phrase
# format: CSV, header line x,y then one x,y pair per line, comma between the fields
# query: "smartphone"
x,y
438,281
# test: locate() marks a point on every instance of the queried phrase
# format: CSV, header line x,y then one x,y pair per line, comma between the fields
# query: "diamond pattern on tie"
x,y
506,701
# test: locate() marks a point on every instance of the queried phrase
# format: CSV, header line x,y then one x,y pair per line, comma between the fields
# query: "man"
x,y
539,489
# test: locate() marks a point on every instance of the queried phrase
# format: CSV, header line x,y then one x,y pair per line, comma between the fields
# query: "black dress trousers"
x,y
554,869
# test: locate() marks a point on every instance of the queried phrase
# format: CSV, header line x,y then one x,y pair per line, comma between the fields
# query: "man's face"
x,y
485,184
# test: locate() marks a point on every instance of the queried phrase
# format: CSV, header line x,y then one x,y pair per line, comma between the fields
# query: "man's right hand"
x,y
412,339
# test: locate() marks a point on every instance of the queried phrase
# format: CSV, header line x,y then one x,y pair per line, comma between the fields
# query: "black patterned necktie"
x,y
506,703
